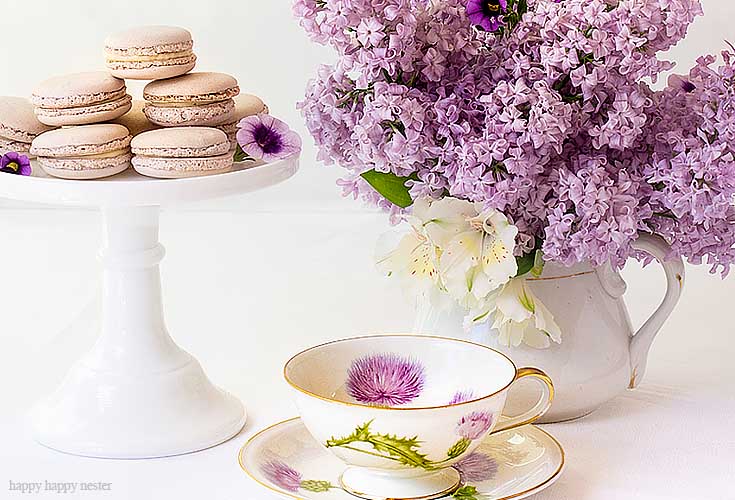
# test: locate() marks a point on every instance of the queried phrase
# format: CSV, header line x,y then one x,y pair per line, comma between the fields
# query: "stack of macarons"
x,y
101,119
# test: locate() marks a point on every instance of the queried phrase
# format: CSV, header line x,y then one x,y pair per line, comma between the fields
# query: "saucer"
x,y
512,464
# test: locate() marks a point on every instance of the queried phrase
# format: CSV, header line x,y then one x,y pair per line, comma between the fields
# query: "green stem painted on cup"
x,y
404,450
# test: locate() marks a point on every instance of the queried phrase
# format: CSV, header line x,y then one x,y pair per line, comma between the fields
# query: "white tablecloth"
x,y
245,289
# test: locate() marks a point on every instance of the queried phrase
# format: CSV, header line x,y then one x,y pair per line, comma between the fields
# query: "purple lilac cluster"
x,y
542,113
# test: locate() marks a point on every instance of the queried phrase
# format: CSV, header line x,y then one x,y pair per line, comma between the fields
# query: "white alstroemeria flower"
x,y
414,260
521,317
478,257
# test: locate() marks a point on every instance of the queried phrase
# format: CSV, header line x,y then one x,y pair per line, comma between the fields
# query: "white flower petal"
x,y
536,338
446,218
513,301
457,260
546,323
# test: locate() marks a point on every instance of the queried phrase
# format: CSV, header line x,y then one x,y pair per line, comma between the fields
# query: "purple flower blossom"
x,y
14,163
282,475
487,14
551,123
475,425
385,380
461,397
476,468
264,137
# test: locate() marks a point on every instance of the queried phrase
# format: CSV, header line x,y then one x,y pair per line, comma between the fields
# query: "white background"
x,y
248,281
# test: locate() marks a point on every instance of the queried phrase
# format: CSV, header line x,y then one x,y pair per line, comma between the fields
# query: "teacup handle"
x,y
538,410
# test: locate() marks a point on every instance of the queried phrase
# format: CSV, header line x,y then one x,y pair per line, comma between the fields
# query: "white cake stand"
x,y
137,394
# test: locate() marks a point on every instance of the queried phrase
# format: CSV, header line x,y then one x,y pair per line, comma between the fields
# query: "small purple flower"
x,y
476,468
14,163
282,475
264,137
461,397
475,425
385,380
487,14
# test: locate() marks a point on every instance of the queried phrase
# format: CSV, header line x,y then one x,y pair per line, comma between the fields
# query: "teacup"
x,y
403,411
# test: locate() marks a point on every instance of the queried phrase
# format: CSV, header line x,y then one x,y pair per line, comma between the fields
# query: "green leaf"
x,y
538,264
468,493
390,186
458,448
403,449
240,155
361,434
400,449
525,263
317,486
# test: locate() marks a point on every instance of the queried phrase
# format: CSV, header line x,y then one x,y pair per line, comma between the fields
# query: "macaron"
x,y
86,152
18,125
135,120
195,99
150,53
245,105
81,99
176,152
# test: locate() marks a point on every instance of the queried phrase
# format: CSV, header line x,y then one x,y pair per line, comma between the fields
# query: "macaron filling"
x,y
170,100
165,56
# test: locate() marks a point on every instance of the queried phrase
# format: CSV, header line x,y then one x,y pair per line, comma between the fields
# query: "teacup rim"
x,y
389,408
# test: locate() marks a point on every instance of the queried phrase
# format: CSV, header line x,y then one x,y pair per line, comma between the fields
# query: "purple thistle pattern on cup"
x,y
476,468
475,425
14,163
264,137
282,475
385,380
462,397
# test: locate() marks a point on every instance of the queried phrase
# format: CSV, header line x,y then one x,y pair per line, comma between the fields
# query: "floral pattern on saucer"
x,y
512,464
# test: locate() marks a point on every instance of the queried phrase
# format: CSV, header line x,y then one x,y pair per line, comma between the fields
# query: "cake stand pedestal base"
x,y
136,394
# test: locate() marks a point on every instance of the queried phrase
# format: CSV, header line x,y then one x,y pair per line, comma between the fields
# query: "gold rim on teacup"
x,y
410,408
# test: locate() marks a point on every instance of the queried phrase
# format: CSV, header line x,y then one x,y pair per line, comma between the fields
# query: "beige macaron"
x,y
18,125
195,99
176,152
80,99
150,52
85,152
245,105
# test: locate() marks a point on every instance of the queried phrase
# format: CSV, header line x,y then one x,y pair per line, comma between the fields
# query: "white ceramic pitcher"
x,y
600,355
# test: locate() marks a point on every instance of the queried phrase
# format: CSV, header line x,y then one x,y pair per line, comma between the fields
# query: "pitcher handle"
x,y
640,343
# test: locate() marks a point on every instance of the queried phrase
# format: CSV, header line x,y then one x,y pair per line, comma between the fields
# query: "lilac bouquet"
x,y
539,110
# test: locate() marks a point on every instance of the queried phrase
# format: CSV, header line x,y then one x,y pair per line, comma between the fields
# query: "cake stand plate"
x,y
137,394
